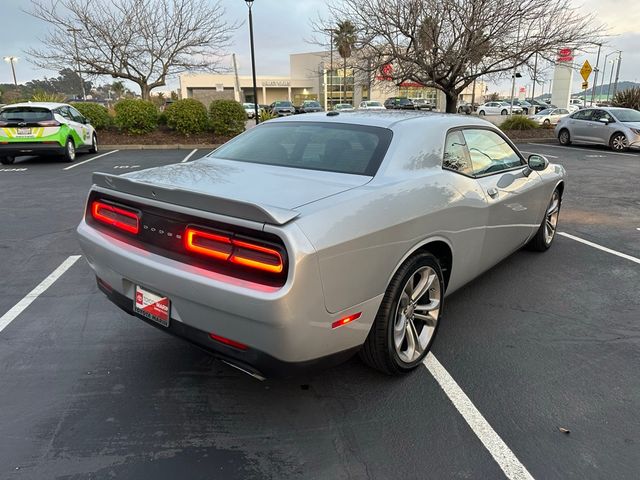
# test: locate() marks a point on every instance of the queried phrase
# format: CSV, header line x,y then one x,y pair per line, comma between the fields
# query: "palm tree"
x,y
118,89
344,39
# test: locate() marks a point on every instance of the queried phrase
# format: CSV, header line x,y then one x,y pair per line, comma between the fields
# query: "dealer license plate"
x,y
153,306
24,132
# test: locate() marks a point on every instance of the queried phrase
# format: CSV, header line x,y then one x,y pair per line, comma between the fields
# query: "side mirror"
x,y
604,120
537,162
87,121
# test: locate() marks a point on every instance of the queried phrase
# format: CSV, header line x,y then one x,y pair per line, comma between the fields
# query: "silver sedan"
x,y
309,238
619,128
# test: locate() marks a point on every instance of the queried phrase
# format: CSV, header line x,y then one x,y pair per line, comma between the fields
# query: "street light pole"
x,y
13,68
595,78
253,63
615,85
330,101
604,70
75,44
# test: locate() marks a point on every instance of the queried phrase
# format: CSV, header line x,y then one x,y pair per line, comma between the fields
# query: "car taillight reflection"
x,y
126,220
227,248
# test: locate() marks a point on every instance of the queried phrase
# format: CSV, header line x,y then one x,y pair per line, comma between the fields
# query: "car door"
x,y
512,193
75,126
579,125
84,128
602,127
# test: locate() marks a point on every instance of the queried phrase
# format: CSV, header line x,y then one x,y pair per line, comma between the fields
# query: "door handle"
x,y
492,192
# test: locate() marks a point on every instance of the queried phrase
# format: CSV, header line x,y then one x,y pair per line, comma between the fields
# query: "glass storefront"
x,y
335,84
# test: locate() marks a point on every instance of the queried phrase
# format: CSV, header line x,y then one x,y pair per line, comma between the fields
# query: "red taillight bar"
x,y
115,216
49,123
236,251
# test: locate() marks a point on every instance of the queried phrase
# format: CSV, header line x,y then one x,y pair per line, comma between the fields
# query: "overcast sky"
x,y
282,26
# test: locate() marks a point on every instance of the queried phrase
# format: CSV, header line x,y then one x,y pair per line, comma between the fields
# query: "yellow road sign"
x,y
585,85
586,70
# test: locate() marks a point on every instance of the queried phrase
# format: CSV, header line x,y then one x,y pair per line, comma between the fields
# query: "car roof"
x,y
386,118
48,105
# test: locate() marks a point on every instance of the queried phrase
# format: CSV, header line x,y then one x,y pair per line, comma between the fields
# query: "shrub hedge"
x,y
136,116
519,122
227,118
187,116
96,113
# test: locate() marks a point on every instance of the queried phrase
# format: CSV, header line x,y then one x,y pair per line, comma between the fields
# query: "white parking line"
x,y
17,309
90,160
580,149
600,247
190,155
534,153
510,465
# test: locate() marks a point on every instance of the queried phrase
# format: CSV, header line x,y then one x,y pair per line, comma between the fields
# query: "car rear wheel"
x,y
7,160
503,112
94,144
69,154
481,113
546,122
619,142
408,318
547,231
564,137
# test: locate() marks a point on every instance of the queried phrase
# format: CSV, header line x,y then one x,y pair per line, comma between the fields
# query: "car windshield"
x,y
546,111
342,148
627,115
283,104
373,104
25,114
311,104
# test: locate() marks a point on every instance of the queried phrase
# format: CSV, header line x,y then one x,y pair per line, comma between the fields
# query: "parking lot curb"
x,y
159,147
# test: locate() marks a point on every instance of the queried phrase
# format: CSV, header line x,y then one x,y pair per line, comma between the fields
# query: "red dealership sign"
x,y
565,55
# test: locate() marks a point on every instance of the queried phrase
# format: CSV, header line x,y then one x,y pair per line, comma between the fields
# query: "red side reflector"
x,y
240,252
228,341
345,320
115,216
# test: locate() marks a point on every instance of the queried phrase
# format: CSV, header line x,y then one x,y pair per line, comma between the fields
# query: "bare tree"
x,y
449,43
144,41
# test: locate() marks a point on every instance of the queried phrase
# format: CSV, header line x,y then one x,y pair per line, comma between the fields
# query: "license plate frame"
x,y
151,305
24,132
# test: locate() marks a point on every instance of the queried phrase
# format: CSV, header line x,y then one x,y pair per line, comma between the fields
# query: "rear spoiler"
x,y
199,201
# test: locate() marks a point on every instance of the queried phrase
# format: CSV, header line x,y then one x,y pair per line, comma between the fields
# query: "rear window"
x,y
284,104
311,104
25,114
341,148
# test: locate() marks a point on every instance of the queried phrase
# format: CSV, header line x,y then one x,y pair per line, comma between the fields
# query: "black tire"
x,y
8,160
564,137
504,112
69,154
541,241
482,113
94,144
619,142
379,351
546,122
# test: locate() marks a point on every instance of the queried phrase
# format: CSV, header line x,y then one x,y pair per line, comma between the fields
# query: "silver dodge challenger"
x,y
309,238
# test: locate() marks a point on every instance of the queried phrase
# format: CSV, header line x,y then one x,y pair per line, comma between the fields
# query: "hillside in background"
x,y
601,91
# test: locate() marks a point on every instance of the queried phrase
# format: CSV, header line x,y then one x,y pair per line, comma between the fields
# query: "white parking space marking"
x,y
580,149
126,166
508,462
534,153
90,160
600,247
189,156
17,309
13,169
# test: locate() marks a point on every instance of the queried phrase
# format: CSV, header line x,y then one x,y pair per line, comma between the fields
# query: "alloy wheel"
x,y
417,314
71,150
619,142
564,137
551,218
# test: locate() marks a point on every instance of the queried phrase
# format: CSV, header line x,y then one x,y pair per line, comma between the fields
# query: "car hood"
x,y
266,185
635,125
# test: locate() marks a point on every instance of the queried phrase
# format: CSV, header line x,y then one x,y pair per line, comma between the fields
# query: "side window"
x,y
489,152
600,114
456,156
76,115
64,111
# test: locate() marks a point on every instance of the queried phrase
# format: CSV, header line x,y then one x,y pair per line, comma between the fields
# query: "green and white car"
x,y
42,128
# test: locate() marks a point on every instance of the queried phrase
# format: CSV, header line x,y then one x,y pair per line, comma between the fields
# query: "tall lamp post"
x,y
604,70
615,85
11,60
253,62
330,98
75,45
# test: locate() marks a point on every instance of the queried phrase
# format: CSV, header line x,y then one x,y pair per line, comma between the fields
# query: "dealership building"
x,y
312,78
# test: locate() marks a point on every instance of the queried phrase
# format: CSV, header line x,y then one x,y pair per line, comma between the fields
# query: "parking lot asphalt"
x,y
540,343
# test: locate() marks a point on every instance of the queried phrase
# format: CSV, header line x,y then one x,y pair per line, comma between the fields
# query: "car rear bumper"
x,y
284,329
15,149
